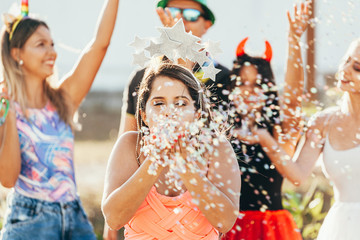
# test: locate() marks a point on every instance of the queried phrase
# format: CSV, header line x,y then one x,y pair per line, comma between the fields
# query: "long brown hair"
x,y
12,72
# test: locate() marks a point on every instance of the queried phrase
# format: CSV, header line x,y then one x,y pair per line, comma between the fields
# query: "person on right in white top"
x,y
335,132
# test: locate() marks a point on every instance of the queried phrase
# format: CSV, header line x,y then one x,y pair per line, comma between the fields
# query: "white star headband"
x,y
175,43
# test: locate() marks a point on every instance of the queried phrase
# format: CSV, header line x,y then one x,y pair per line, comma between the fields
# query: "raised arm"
x,y
297,171
126,184
218,193
78,82
294,78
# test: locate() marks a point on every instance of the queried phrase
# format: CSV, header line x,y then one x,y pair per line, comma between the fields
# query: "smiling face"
x,y
38,54
349,72
169,98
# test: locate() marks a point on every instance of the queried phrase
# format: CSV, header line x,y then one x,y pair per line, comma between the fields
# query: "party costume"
x,y
169,218
262,216
45,200
342,167
261,212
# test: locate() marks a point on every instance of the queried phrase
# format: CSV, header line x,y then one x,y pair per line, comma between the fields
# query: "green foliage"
x,y
310,208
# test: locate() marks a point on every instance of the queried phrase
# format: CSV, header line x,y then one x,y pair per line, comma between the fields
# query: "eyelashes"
x,y
179,103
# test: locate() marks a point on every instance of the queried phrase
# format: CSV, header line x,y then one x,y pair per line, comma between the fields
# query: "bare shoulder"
x,y
122,161
127,139
125,147
321,118
319,122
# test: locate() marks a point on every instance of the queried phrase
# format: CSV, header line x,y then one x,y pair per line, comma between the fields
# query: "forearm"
x,y
120,206
281,159
294,77
10,158
106,23
214,204
293,89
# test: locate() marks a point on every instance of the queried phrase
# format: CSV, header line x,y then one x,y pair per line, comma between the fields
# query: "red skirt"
x,y
268,225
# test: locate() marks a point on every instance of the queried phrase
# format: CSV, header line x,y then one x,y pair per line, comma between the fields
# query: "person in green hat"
x,y
197,18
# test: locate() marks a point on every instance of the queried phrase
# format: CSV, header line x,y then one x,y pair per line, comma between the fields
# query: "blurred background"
x,y
72,23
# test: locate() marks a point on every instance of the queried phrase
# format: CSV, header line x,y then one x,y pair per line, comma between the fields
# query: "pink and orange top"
x,y
172,218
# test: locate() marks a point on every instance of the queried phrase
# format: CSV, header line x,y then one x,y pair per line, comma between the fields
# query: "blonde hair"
x,y
13,75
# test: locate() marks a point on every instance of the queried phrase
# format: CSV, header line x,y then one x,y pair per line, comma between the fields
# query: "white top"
x,y
342,167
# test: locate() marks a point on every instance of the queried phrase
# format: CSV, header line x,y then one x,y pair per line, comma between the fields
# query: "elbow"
x,y
113,223
8,183
112,218
102,46
227,225
228,222
296,181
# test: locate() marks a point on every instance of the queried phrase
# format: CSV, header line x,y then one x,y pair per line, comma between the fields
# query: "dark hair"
x,y
176,72
267,78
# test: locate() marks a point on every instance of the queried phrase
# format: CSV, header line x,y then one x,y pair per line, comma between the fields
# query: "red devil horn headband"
x,y
268,52
241,49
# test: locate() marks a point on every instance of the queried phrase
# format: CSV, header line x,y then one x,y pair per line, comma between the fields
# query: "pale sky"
x,y
72,24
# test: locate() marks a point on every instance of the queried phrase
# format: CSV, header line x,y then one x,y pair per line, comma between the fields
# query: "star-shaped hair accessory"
x,y
140,59
187,42
175,43
210,71
139,44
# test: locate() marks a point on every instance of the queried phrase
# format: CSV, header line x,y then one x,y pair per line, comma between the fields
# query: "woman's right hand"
x,y
5,100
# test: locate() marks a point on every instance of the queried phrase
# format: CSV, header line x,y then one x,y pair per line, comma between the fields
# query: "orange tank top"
x,y
172,218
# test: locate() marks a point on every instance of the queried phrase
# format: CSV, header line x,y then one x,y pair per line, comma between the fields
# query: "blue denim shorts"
x,y
29,218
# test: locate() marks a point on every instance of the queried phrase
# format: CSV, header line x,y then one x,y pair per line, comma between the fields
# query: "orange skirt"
x,y
268,225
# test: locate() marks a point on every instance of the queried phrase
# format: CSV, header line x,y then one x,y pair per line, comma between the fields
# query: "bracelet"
x,y
6,103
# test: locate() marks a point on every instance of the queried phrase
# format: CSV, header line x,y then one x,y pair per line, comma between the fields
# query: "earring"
x,y
21,62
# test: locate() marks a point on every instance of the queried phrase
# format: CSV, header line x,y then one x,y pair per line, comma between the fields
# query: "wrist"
x,y
293,37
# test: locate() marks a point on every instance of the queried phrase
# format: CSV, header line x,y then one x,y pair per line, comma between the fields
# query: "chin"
x,y
49,74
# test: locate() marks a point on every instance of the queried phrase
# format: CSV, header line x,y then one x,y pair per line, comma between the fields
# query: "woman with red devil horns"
x,y
254,105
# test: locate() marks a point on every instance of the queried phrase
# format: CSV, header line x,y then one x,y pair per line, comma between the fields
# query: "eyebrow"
x,y
182,97
42,39
156,98
177,97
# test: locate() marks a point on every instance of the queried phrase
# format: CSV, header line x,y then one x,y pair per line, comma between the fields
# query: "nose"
x,y
166,111
52,51
346,67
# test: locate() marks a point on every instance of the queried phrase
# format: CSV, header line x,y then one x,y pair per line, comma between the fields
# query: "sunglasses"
x,y
189,14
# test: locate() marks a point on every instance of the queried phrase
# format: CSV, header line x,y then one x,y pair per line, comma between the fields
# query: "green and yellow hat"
x,y
208,13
